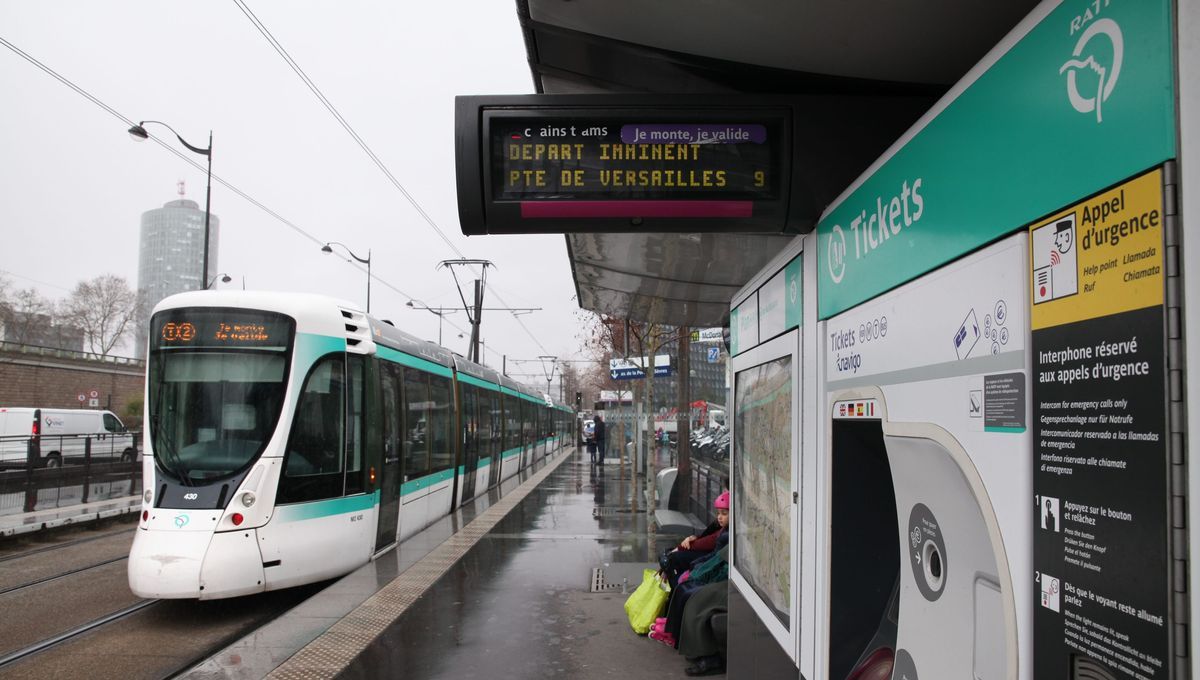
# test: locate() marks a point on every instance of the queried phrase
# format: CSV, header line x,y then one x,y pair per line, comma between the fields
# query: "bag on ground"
x,y
647,602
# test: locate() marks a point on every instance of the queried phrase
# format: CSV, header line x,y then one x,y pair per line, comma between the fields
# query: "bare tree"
x,y
105,309
609,337
25,314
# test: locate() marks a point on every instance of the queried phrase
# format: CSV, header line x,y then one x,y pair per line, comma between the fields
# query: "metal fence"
x,y
21,348
92,468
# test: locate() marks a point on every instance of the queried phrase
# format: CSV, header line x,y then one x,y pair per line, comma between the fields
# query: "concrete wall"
x,y
45,378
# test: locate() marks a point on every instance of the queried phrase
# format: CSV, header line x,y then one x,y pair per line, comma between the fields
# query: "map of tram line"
x,y
762,496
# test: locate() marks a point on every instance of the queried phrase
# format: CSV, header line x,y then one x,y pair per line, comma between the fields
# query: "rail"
x,y
48,472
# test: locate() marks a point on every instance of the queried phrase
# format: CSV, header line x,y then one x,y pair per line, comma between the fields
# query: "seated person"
x,y
706,570
699,642
681,556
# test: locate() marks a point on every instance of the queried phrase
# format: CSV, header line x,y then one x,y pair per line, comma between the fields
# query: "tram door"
x,y
495,437
469,401
389,477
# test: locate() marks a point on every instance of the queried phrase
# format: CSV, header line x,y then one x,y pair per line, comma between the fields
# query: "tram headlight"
x,y
248,499
148,496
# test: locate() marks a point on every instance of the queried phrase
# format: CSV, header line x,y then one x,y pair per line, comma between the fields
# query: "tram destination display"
x,y
220,328
561,164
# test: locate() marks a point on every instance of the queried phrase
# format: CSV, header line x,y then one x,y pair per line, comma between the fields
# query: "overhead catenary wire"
x,y
362,144
187,159
216,178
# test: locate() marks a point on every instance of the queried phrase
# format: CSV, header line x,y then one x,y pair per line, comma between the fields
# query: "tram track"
x,y
86,624
61,638
69,544
65,574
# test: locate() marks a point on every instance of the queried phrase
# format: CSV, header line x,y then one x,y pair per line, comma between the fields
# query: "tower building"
x,y
171,254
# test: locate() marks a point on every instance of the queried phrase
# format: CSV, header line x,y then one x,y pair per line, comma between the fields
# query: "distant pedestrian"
x,y
600,439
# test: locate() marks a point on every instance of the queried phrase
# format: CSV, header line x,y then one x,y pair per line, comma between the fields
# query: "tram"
x,y
292,438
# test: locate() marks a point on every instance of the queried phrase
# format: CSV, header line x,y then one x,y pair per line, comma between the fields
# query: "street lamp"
x,y
441,312
326,249
224,279
139,134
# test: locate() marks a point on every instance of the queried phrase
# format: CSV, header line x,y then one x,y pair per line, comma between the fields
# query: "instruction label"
x,y
1004,402
1099,402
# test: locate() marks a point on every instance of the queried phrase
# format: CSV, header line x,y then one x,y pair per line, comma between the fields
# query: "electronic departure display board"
x,y
620,163
209,328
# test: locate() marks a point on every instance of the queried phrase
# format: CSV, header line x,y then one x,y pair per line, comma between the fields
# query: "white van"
x,y
62,435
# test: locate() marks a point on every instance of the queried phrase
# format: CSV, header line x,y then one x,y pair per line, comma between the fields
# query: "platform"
x,y
527,584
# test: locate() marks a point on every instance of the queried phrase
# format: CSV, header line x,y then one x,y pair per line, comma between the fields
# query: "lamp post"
x,y
139,134
440,311
224,279
326,249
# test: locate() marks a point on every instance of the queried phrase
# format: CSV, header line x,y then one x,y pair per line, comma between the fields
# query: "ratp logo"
x,y
835,252
1105,76
181,520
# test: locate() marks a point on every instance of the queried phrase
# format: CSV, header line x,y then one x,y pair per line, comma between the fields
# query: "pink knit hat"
x,y
722,501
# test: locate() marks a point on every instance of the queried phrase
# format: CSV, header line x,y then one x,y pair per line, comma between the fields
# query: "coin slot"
x,y
931,557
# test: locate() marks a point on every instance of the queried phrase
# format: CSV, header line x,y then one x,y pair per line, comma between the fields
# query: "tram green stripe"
x,y
409,360
1004,429
327,508
472,380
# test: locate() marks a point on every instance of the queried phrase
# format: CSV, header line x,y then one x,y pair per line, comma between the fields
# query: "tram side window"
x,y
495,430
512,422
313,460
356,416
416,422
470,424
441,438
527,417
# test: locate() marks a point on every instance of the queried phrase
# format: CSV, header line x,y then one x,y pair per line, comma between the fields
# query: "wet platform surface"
x,y
504,586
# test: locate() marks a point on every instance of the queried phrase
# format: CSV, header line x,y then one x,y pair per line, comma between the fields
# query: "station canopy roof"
x,y
834,49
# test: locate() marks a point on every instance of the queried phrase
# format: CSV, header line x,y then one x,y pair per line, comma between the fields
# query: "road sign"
x,y
81,397
94,394
631,369
93,403
714,355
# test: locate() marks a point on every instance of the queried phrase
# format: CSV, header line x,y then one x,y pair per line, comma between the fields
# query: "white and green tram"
x,y
292,438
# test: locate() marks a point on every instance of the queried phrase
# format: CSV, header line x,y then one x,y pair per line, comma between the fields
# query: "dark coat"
x,y
696,634
600,428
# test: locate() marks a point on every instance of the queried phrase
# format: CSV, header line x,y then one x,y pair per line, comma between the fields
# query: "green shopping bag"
x,y
647,602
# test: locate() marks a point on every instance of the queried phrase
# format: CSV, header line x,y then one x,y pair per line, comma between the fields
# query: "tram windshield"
x,y
216,387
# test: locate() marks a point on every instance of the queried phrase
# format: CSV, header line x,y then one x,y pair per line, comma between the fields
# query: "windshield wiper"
x,y
173,461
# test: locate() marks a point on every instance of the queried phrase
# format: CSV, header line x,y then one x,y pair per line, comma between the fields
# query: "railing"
x,y
21,348
710,471
47,472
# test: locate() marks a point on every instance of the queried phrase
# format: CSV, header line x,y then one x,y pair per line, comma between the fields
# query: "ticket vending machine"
x,y
929,519
915,552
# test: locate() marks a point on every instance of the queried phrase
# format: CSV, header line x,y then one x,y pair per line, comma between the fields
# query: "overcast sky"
x,y
73,185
